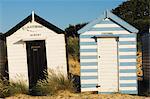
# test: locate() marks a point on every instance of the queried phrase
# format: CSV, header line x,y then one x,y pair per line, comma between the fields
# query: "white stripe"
x,y
87,40
128,88
127,46
127,81
88,46
105,25
89,81
88,67
89,89
88,60
127,60
88,53
99,32
89,74
127,67
125,74
127,53
127,39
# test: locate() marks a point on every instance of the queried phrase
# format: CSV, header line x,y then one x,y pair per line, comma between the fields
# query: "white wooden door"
x,y
107,65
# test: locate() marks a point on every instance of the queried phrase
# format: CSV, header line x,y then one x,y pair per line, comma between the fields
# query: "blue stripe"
x,y
127,42
107,29
127,63
88,57
105,93
88,70
88,50
129,91
128,78
88,77
127,49
88,85
120,35
88,63
128,85
127,71
88,43
127,56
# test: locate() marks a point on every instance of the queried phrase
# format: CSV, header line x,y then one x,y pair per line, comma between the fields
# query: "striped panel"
x,y
127,49
89,74
127,60
88,60
127,56
88,70
88,67
88,81
120,35
128,85
87,40
128,88
127,39
129,74
127,53
127,71
88,54
88,77
129,91
88,85
127,46
88,46
88,50
88,89
88,57
88,43
106,32
88,63
127,63
127,42
127,67
128,78
127,81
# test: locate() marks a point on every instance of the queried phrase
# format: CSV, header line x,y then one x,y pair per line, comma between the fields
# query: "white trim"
x,y
105,25
89,89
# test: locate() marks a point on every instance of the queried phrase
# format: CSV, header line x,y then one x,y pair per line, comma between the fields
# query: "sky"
x,y
58,12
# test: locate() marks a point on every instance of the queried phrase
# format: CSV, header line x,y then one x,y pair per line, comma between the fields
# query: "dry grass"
x,y
69,95
74,66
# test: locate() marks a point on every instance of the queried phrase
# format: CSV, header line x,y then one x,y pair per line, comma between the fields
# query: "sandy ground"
x,y
68,95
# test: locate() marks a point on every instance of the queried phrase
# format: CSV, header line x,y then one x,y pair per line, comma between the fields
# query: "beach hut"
x,y
34,46
146,62
108,56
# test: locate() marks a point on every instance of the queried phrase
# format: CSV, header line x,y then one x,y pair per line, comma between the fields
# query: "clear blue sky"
x,y
58,12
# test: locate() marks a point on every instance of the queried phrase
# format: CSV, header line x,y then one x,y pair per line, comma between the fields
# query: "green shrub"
x,y
73,47
53,84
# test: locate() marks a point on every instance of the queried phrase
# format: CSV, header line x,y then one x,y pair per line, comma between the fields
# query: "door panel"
x,y
36,59
107,65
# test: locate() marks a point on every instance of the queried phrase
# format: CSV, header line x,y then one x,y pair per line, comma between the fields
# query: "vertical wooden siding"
x,y
127,57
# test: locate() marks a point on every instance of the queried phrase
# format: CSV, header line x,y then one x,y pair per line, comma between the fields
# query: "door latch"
x,y
97,86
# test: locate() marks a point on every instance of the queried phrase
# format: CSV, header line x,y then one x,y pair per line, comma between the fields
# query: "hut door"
x,y
37,63
107,65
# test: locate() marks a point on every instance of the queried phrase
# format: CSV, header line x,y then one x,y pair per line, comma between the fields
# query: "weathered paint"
x,y
105,27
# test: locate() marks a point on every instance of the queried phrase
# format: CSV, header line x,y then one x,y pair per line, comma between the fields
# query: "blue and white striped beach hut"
x,y
108,56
